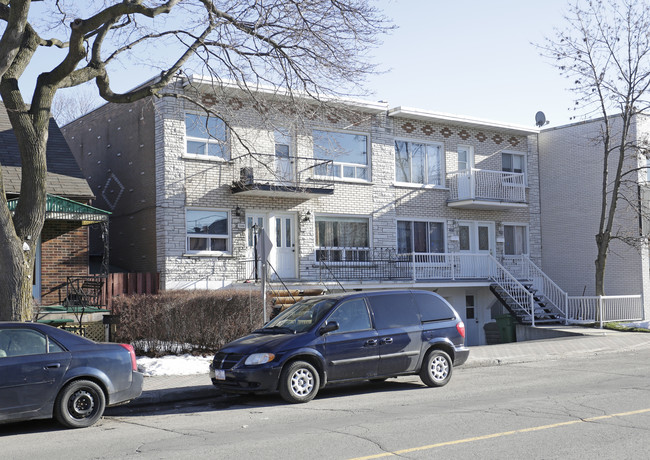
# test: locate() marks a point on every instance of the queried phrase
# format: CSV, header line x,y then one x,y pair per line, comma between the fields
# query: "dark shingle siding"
x,y
64,177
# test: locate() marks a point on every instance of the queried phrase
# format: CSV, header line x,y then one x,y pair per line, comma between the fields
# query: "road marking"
x,y
504,433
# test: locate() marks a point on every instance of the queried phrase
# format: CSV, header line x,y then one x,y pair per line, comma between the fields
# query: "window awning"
x,y
59,208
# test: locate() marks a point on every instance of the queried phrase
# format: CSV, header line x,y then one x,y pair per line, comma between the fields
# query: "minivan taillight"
x,y
134,364
460,326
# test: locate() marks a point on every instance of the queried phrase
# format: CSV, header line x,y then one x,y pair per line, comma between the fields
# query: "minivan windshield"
x,y
301,317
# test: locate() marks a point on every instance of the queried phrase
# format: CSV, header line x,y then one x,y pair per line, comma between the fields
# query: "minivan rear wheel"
x,y
436,368
299,382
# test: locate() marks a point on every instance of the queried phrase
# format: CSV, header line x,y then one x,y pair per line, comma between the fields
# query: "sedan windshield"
x,y
301,317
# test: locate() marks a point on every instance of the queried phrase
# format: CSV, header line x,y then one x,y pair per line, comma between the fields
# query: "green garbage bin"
x,y
507,328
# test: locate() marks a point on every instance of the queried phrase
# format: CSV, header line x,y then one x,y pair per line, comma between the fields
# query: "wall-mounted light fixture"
x,y
238,211
307,216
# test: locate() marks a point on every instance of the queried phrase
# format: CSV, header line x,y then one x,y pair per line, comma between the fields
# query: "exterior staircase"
x,y
543,311
528,294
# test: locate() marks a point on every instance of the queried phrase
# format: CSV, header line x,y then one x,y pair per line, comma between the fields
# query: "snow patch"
x,y
174,365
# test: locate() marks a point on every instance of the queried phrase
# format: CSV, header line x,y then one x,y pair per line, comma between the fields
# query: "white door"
x,y
471,321
475,238
465,165
283,163
282,232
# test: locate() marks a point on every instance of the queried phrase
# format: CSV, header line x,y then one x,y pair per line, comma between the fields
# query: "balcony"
x,y
277,176
482,189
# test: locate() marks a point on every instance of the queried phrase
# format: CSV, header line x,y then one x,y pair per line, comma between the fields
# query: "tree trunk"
x,y
16,269
602,242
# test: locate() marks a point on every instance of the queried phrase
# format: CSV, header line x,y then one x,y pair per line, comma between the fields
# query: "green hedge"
x,y
175,322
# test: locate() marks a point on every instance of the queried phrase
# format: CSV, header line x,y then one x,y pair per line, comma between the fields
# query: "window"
x,y
418,163
513,162
342,238
432,307
207,231
394,310
206,136
349,153
414,236
464,158
23,342
516,240
352,316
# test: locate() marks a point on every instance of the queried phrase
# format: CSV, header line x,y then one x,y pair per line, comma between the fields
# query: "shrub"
x,y
186,321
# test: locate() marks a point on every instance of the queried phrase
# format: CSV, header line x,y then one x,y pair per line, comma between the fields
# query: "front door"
x,y
471,321
476,240
282,233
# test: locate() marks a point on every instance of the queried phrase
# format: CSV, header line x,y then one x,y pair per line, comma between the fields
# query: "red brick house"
x,y
63,250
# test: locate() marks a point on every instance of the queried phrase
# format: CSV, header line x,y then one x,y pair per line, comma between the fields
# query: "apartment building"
x,y
350,195
571,172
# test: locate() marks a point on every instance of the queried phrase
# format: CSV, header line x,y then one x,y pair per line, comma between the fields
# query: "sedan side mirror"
x,y
329,327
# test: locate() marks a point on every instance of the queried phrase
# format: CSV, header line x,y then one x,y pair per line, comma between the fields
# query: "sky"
x,y
471,58
474,58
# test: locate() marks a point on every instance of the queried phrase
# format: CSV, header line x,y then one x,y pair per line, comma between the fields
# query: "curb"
x,y
171,395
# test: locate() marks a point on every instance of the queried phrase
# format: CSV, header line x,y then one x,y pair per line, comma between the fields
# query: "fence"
x,y
600,309
130,283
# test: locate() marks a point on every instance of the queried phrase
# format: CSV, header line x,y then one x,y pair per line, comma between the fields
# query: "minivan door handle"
x,y
386,341
371,343
52,366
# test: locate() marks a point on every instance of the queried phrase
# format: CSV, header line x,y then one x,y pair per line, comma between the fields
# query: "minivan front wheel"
x,y
436,368
299,382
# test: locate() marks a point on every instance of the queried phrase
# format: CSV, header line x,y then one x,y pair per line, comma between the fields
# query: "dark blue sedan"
x,y
47,372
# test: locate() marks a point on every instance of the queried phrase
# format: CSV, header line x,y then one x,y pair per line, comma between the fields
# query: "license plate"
x,y
220,374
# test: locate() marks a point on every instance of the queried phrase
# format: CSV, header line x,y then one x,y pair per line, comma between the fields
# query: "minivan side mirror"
x,y
329,327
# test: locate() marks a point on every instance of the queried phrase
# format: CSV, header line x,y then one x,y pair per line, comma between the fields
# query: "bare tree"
x,y
316,47
605,51
70,105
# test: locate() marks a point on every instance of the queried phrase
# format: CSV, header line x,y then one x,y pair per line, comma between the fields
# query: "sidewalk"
x,y
167,389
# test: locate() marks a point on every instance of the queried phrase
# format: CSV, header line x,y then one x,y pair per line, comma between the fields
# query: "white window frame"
x,y
209,236
441,147
341,248
225,143
526,238
435,221
524,162
340,164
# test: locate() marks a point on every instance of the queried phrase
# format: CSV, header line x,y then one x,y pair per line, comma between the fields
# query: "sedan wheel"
x,y
79,404
299,382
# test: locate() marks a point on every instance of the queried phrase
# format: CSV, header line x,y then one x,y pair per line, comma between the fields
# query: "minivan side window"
x,y
352,316
394,310
432,308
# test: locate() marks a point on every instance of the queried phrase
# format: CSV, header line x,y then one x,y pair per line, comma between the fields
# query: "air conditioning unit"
x,y
246,175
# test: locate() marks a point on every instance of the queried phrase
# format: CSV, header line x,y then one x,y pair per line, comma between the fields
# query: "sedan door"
x,y
351,352
30,377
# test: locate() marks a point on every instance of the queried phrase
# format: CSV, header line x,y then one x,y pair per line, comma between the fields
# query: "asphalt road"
x,y
589,407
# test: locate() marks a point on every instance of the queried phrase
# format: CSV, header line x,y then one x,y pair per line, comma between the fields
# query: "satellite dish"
x,y
540,119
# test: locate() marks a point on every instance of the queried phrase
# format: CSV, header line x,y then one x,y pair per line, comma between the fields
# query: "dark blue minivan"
x,y
345,337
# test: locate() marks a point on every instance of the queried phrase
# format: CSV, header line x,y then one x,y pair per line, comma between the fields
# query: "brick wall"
x,y
64,252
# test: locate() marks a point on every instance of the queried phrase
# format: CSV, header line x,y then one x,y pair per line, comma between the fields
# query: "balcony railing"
x,y
265,174
350,264
480,184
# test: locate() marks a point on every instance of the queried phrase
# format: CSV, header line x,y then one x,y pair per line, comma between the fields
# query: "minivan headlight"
x,y
259,358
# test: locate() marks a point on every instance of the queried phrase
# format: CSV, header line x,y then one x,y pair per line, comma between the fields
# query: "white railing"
x,y
525,269
600,309
451,266
517,291
488,185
